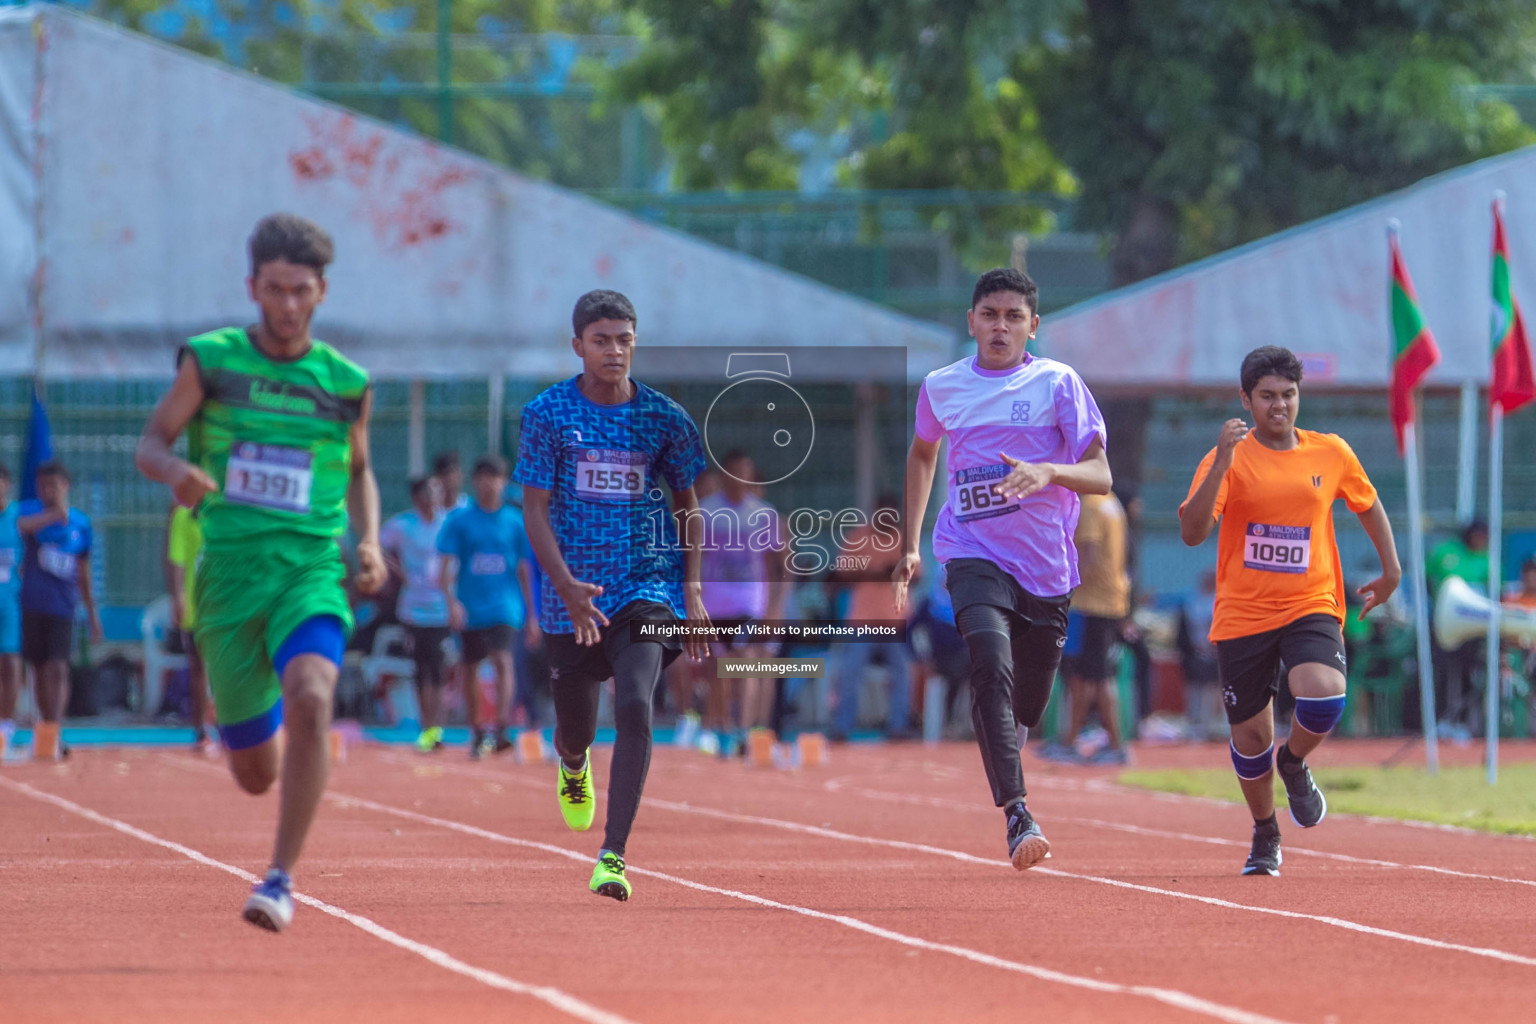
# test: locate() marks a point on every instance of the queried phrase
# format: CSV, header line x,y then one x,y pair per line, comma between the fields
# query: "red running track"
x,y
871,889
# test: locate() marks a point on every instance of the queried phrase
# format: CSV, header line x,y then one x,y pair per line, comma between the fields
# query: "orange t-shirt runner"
x,y
1276,555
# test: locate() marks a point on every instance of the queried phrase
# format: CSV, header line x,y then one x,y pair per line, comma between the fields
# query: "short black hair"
x,y
53,468
443,461
601,305
5,472
493,465
1007,279
1474,526
1269,361
283,236
734,455
1529,565
419,484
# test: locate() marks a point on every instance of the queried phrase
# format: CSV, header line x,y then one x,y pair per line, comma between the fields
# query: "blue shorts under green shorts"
x,y
250,598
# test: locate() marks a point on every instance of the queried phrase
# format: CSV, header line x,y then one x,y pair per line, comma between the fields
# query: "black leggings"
x,y
1012,668
636,666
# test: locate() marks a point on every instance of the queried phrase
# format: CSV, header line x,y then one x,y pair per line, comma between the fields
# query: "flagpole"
x,y
1495,680
1417,564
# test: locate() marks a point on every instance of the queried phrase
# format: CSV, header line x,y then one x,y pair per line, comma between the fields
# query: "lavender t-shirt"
x,y
1040,411
735,555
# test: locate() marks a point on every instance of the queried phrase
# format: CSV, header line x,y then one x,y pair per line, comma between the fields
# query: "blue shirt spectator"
x,y
50,574
489,546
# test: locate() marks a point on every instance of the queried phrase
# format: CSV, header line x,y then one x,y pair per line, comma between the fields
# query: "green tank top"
x,y
274,437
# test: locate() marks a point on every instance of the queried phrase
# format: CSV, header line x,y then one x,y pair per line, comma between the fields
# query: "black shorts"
x,y
734,636
1092,662
973,581
45,637
480,644
1250,666
570,662
427,650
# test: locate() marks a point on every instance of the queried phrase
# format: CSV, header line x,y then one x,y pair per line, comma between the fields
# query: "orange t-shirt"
x,y
1276,556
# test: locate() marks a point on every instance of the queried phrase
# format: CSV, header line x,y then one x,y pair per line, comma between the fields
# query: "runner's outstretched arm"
x,y
1088,475
154,458
363,504
585,617
1197,517
1379,528
685,504
922,463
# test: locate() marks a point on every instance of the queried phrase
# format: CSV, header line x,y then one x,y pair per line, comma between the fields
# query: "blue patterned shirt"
x,y
604,466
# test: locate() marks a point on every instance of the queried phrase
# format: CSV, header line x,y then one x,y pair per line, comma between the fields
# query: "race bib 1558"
x,y
269,476
971,495
608,474
1277,548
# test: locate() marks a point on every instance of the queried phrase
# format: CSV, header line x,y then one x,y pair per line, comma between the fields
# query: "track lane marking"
x,y
1171,997
559,1000
969,858
833,786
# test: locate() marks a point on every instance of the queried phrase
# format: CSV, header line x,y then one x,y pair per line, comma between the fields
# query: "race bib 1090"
x,y
608,474
269,476
971,495
1277,548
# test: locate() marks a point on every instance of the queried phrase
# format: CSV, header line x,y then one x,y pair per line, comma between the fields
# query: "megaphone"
x,y
1461,614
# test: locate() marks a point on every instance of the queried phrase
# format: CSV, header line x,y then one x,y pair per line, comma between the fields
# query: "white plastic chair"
x,y
379,663
154,627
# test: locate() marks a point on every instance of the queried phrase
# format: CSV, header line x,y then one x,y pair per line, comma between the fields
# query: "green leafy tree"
x,y
921,90
567,138
1196,125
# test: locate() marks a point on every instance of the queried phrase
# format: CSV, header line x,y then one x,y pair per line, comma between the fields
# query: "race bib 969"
x,y
971,495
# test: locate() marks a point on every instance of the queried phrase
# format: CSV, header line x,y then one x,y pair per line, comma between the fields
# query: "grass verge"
x,y
1457,796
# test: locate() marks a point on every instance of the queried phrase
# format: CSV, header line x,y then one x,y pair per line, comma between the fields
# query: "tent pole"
x,y
416,436
498,392
866,452
1466,459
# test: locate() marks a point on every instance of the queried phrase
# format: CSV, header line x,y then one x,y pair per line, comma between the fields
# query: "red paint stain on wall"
x,y
603,266
400,182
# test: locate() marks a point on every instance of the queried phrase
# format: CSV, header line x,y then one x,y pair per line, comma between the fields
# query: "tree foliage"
x,y
1185,126
568,139
1195,125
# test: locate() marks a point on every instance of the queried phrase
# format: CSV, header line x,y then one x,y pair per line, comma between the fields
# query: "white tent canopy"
x,y
131,173
1320,290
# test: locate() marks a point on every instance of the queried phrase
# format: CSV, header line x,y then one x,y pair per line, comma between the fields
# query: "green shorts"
x,y
249,599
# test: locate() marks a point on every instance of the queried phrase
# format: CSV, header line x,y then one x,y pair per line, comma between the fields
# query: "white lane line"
x,y
938,851
918,800
554,997
834,786
969,858
1170,997
1104,787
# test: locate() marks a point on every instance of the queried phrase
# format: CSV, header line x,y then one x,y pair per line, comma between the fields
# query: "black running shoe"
x,y
1027,845
477,741
503,741
1308,807
1264,858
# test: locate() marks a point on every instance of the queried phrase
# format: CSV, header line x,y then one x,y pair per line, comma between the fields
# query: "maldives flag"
x,y
1514,382
1414,351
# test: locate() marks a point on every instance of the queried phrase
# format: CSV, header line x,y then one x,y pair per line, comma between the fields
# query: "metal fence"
x,y
96,428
